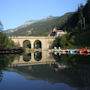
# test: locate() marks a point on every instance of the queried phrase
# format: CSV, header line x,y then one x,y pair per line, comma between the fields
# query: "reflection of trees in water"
x,y
6,60
61,59
86,88
38,55
79,70
72,59
79,75
1,76
27,57
76,77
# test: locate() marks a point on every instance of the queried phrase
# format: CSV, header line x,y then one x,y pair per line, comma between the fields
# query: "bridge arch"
x,y
27,44
37,44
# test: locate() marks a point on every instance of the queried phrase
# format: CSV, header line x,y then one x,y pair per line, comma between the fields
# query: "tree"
x,y
56,42
81,16
1,26
86,12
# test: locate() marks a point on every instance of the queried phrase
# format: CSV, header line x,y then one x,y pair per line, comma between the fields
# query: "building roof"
x,y
58,30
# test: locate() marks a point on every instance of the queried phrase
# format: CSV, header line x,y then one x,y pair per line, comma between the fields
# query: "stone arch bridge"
x,y
45,41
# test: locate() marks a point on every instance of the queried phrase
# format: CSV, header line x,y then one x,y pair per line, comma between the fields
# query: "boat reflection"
x,y
57,67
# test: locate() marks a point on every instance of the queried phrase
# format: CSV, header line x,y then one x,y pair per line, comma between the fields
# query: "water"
x,y
44,71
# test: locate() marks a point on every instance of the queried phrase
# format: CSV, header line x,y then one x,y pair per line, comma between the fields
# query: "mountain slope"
x,y
78,27
39,27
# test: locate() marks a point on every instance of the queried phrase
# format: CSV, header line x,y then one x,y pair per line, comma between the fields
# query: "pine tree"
x,y
86,11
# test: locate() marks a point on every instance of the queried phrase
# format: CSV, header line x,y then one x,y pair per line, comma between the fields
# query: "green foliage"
x,y
42,27
86,12
64,42
77,37
6,42
73,40
1,26
46,33
5,61
56,42
83,39
67,59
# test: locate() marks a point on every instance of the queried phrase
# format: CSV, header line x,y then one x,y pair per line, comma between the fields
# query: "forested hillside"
x,y
78,27
77,24
40,27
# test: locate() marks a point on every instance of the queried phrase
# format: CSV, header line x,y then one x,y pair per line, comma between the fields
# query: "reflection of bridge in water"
x,y
45,58
77,76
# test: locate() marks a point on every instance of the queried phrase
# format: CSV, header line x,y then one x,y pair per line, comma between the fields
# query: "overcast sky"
x,y
15,12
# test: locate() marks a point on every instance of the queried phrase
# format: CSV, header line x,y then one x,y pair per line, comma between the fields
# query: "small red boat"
x,y
82,51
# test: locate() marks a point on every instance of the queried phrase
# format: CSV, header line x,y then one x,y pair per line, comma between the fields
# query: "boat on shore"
x,y
82,51
71,51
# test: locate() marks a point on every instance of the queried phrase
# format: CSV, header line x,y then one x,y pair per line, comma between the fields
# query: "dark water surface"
x,y
44,71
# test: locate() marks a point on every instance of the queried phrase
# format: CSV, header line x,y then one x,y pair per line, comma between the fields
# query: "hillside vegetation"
x,y
77,24
4,40
78,28
39,27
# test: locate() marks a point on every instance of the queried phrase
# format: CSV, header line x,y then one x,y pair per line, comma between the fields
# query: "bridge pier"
x,y
32,45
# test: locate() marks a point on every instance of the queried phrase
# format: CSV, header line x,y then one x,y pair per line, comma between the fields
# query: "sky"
x,y
13,13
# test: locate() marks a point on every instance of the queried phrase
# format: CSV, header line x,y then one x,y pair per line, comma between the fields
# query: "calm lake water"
x,y
44,71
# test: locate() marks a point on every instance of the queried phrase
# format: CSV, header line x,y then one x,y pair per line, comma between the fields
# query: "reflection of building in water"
x,y
34,59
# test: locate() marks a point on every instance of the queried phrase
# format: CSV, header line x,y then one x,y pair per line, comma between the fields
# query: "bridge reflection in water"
x,y
77,76
34,58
